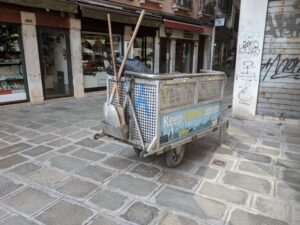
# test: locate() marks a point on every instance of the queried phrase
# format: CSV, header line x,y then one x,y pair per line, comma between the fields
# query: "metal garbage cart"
x,y
163,112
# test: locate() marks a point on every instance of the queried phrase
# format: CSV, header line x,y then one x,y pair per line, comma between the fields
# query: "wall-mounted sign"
x,y
187,34
219,22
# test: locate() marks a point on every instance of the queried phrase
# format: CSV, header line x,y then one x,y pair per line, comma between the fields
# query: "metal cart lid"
x,y
171,76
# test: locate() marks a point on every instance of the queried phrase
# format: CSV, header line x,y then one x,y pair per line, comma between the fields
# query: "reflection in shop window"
x,y
143,50
96,58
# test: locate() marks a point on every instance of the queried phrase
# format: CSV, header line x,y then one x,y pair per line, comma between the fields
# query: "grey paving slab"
x,y
112,148
28,134
206,209
77,188
207,172
2,134
3,213
224,193
56,214
16,220
11,161
3,144
293,156
273,208
288,175
46,156
133,185
8,186
81,134
89,155
25,169
252,219
13,149
12,138
257,168
90,143
103,220
66,163
271,144
145,170
67,149
177,179
288,192
172,218
107,199
48,177
58,143
224,151
293,140
118,162
241,146
140,213
247,182
254,157
293,148
38,150
29,201
66,131
268,151
43,138
96,173
288,164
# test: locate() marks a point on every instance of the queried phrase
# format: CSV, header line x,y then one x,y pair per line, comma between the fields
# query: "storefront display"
x,y
96,58
12,73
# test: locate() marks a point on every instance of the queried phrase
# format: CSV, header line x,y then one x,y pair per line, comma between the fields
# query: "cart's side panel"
x,y
189,107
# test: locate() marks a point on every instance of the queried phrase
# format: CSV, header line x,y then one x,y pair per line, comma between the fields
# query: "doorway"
x,y
55,62
184,56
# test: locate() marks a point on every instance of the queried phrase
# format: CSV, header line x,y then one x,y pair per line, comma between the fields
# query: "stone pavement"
x,y
52,172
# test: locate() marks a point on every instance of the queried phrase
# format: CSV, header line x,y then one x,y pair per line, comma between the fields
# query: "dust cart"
x,y
164,112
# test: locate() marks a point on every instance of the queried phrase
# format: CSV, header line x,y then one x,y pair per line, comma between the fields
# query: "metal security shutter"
x,y
279,88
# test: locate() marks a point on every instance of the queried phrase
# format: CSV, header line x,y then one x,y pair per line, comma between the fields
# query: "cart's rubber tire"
x,y
175,156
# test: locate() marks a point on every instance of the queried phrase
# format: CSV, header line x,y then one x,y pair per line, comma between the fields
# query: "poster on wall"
x,y
175,126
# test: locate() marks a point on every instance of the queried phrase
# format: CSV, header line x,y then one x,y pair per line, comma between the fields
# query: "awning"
x,y
65,6
183,26
125,17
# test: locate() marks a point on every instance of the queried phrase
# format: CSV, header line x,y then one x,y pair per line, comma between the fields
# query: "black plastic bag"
x,y
133,65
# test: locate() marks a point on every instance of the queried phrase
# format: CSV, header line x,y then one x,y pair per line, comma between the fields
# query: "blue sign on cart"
x,y
175,126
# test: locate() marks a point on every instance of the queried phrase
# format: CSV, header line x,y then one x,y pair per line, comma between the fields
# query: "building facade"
x,y
267,72
59,48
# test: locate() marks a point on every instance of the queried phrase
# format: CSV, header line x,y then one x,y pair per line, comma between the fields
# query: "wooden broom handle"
x,y
127,52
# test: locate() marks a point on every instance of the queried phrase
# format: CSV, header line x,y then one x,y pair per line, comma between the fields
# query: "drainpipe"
x,y
212,47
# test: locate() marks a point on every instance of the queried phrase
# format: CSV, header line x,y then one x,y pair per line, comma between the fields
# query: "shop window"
x,y
12,74
143,50
184,56
96,58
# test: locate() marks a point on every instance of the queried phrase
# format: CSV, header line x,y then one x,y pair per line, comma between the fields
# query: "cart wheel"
x,y
137,151
98,136
175,156
147,159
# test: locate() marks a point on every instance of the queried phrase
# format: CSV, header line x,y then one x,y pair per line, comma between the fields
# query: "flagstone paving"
x,y
53,172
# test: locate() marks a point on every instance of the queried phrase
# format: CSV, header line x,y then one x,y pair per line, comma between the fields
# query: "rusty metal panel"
x,y
279,88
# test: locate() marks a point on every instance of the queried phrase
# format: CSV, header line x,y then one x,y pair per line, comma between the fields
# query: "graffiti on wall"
x,y
250,47
284,24
281,67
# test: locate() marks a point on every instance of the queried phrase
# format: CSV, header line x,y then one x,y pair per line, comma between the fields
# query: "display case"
x,y
12,79
96,58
